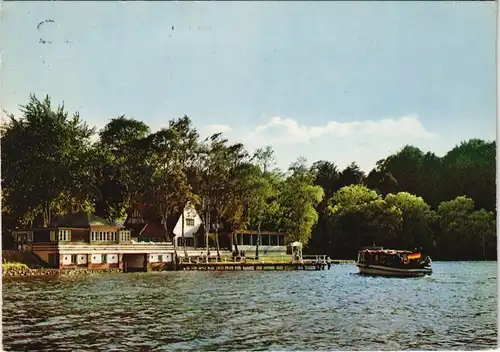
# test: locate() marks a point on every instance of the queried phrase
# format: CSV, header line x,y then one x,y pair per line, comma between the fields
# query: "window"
x,y
160,258
73,259
265,240
246,239
104,258
64,235
189,222
281,240
274,240
254,239
52,235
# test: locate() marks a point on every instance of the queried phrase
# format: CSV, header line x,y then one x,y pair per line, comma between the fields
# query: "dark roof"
x,y
172,220
81,219
149,216
153,229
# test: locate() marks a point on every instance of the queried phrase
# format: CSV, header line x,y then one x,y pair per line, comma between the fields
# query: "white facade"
x,y
192,222
81,259
66,259
160,258
112,258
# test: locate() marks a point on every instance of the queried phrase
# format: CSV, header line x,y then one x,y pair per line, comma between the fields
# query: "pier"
x,y
267,263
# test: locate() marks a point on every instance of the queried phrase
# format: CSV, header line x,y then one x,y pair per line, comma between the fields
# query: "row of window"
x,y
83,258
102,258
265,240
96,236
23,237
60,235
109,236
188,240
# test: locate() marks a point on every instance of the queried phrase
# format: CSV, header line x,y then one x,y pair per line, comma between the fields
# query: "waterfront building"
x,y
141,242
84,240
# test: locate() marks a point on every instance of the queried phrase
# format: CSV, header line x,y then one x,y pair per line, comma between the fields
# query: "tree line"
x,y
51,166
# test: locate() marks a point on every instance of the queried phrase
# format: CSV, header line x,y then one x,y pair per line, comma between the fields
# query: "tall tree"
x,y
44,160
298,199
351,175
416,220
120,162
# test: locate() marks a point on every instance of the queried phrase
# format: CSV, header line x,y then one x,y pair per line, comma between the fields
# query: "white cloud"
x,y
212,129
288,130
364,141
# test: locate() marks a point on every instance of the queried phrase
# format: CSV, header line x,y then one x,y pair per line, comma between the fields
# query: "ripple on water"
x,y
455,308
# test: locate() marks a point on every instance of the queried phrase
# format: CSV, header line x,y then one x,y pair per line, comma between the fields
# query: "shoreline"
x,y
44,272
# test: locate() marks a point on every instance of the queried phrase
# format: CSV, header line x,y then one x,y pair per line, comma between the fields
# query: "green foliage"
x,y
447,205
361,217
298,199
42,153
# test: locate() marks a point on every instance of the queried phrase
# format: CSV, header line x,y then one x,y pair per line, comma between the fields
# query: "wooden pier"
x,y
318,264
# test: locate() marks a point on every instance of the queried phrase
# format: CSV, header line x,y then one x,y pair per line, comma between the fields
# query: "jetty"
x,y
311,262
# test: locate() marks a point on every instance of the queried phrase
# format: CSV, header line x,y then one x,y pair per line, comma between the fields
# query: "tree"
x,y
298,199
453,235
187,139
481,225
465,232
361,217
405,167
120,163
44,160
470,169
351,175
261,198
326,175
416,219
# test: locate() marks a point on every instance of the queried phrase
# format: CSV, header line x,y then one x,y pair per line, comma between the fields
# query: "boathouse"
x,y
83,239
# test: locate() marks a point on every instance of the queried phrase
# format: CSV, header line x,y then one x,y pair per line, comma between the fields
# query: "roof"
x,y
149,216
388,251
153,229
172,220
81,219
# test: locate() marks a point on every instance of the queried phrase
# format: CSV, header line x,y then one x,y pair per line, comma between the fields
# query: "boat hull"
x,y
380,270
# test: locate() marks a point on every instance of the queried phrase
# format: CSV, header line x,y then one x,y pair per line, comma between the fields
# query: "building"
x,y
146,226
272,243
142,242
85,240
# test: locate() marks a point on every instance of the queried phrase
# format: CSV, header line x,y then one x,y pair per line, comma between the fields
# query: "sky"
x,y
337,81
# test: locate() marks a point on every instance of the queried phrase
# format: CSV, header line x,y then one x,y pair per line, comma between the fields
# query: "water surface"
x,y
455,308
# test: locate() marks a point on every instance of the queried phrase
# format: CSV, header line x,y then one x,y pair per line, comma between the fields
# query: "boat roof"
x,y
388,251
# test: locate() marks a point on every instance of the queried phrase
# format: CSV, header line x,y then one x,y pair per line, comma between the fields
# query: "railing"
x,y
248,260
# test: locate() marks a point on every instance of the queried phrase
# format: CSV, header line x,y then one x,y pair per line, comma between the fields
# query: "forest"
x,y
53,164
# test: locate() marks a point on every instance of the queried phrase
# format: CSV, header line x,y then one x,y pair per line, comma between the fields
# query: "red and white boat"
x,y
391,262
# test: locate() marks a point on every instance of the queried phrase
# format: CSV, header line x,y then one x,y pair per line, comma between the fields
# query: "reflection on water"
x,y
455,308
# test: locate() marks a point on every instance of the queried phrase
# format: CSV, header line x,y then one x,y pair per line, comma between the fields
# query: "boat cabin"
x,y
389,257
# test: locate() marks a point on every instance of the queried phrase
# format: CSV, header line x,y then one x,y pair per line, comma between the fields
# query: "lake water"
x,y
455,308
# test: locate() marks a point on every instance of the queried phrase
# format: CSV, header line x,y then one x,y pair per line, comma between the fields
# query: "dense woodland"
x,y
411,199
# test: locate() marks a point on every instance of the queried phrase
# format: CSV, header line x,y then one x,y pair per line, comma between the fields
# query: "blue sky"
x,y
325,80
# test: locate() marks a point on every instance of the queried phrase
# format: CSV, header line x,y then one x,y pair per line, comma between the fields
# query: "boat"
x,y
392,262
